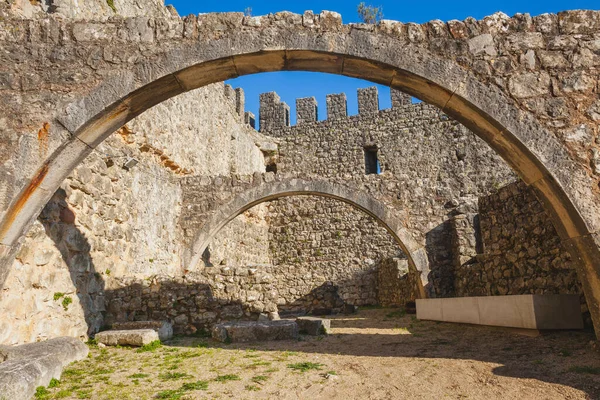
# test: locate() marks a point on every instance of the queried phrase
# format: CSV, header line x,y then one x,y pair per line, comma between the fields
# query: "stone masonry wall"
x,y
521,252
108,223
327,241
396,284
431,166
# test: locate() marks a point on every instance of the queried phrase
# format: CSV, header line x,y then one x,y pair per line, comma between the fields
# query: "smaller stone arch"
x,y
414,250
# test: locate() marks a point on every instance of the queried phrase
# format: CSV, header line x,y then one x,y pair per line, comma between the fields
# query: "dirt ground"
x,y
374,354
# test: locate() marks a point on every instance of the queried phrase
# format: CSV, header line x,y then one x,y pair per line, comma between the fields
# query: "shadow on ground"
x,y
558,357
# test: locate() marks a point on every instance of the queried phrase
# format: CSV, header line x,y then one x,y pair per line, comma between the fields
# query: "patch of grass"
x,y
372,307
258,363
92,343
41,392
62,394
565,352
111,4
153,346
53,383
396,314
305,366
171,376
170,395
198,385
252,388
585,369
84,394
73,372
58,296
102,371
66,302
229,377
182,356
331,373
259,378
202,345
138,376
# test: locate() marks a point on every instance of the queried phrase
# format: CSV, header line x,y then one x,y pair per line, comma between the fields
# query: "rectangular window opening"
x,y
372,165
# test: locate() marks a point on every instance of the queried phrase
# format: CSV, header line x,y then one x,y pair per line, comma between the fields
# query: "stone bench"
x,y
133,337
24,368
163,328
313,326
530,311
255,331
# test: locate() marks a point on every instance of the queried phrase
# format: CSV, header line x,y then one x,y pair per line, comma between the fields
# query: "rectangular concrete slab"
x,y
529,311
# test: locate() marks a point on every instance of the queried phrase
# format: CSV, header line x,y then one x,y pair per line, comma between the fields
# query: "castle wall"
x,y
521,252
108,223
430,166
327,241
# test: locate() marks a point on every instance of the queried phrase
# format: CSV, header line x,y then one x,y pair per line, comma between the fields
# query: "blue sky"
x,y
292,85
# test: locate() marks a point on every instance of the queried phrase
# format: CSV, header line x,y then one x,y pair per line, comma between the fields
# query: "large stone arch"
x,y
225,213
389,54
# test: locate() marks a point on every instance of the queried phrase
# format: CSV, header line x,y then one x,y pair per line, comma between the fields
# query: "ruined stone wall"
x,y
324,240
109,222
396,283
521,253
430,165
87,9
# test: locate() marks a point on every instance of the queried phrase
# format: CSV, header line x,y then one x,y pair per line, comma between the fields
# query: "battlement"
x,y
275,113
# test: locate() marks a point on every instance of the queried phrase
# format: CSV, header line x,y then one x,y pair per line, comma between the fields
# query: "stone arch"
x,y
377,54
417,257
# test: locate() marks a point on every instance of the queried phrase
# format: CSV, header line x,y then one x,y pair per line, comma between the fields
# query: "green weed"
x,y
585,369
305,366
150,347
225,378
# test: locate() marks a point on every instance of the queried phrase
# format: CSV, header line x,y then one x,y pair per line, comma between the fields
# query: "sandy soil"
x,y
374,354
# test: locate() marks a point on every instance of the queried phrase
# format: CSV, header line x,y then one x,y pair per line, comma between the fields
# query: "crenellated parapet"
x,y
274,113
306,110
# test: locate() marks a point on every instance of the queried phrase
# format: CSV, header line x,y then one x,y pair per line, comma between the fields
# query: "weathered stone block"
x,y
255,331
31,365
135,337
313,326
163,328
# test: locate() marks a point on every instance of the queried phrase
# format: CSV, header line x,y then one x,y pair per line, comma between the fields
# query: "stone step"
x,y
313,326
255,331
163,328
133,337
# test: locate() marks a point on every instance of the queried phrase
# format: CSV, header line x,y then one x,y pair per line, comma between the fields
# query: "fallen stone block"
x,y
31,365
313,326
134,337
163,328
255,331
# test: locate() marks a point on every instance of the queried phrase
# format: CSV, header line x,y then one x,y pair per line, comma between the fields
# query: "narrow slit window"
x,y
372,165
